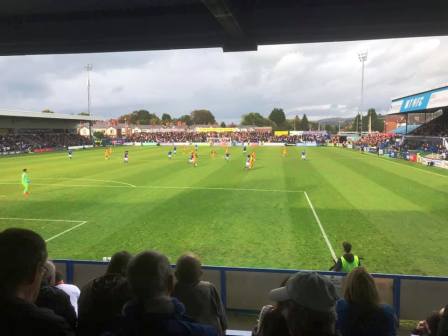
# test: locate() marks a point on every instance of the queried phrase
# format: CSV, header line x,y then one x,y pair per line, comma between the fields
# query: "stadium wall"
x,y
246,289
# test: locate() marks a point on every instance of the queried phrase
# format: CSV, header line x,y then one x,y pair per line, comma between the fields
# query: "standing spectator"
x,y
71,290
201,299
153,311
22,257
308,302
359,313
103,298
347,261
54,298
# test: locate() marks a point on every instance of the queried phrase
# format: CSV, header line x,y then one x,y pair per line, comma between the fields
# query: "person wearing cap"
x,y
347,261
359,312
308,301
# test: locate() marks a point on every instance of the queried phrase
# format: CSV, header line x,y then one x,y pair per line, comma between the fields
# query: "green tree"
x,y
297,123
202,117
332,129
304,124
166,118
186,119
142,117
98,135
278,117
377,122
223,124
255,119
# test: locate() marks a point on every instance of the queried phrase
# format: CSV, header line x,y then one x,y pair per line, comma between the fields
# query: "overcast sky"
x,y
319,79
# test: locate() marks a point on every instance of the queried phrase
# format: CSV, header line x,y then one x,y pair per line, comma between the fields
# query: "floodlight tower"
x,y
88,68
362,58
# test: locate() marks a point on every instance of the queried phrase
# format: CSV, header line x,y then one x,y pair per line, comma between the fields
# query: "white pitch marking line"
x,y
321,227
157,187
64,232
86,179
80,223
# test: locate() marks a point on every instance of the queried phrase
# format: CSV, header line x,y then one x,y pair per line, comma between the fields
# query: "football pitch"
x,y
285,213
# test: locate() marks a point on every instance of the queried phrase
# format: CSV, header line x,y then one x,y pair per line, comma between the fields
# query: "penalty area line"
x,y
80,223
324,234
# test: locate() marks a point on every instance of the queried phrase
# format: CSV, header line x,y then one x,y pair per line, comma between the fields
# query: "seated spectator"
x,y
153,311
54,298
22,257
103,298
308,302
201,299
359,313
443,324
71,290
430,326
271,321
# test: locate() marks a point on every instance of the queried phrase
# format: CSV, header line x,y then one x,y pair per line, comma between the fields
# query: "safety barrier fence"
x,y
245,290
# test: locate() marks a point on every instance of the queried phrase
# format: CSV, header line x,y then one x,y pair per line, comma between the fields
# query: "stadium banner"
x,y
44,150
281,133
215,129
421,101
307,144
295,132
80,147
13,152
128,143
274,144
150,144
436,163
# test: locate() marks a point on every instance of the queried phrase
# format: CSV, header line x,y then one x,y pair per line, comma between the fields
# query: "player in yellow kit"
x,y
252,160
285,152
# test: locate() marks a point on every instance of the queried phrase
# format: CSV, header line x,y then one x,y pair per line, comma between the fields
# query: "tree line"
x,y
276,119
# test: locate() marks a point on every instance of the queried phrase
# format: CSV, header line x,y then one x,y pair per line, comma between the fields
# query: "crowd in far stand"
x,y
32,141
240,137
138,295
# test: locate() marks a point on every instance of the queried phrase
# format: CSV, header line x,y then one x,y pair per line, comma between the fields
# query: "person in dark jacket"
x,y
153,311
54,298
271,321
102,299
347,261
22,257
360,313
201,299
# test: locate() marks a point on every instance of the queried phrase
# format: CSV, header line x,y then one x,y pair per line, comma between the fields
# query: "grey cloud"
x,y
319,79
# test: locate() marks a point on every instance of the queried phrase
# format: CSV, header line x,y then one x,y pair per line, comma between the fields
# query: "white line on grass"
x,y
86,179
64,232
157,187
80,223
333,255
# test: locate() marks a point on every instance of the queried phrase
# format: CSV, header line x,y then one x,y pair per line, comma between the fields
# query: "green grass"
x,y
395,213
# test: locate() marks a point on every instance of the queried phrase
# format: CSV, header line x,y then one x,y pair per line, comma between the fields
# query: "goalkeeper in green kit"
x,y
26,183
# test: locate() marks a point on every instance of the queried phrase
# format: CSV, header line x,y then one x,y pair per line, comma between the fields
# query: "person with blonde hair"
x,y
360,312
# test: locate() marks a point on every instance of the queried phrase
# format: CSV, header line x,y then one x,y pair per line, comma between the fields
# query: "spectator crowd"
x,y
238,137
138,295
28,142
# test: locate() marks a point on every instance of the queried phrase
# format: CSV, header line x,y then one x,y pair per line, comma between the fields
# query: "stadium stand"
x,y
437,127
39,141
